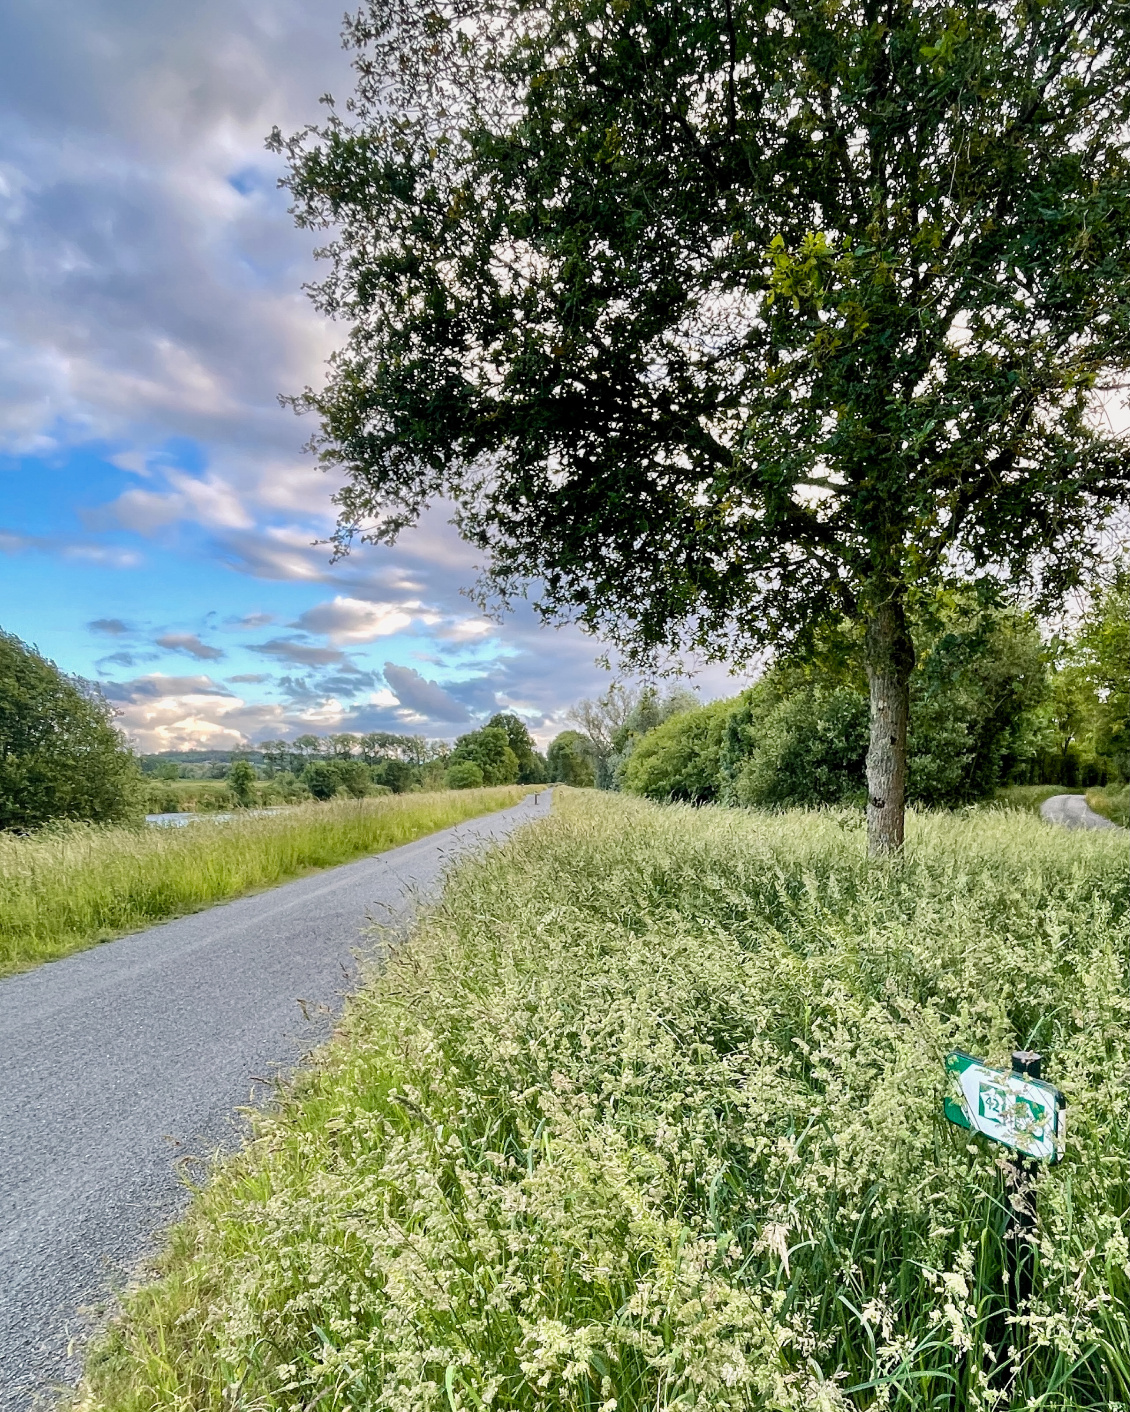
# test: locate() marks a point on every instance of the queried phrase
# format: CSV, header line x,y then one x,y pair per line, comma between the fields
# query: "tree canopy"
x,y
723,322
61,756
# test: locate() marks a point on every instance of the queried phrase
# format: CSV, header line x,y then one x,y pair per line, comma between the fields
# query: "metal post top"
x,y
1026,1061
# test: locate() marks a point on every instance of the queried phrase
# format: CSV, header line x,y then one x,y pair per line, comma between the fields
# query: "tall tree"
x,y
722,320
61,756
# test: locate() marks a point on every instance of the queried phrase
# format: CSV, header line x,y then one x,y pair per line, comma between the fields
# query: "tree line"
x,y
992,702
63,758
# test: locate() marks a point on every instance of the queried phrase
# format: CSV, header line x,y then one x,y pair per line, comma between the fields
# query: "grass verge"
x,y
65,889
1112,802
647,1115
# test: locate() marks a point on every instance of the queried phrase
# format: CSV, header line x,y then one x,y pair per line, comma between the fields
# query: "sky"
x,y
159,520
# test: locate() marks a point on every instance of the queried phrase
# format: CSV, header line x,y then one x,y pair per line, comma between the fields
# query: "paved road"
x,y
121,1062
1073,812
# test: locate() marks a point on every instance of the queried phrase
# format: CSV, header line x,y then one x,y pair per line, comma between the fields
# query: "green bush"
x,y
570,760
60,754
680,758
648,1115
325,778
464,774
488,748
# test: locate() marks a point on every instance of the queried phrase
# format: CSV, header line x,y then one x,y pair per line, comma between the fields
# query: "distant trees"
x,y
503,751
325,778
572,760
991,703
61,756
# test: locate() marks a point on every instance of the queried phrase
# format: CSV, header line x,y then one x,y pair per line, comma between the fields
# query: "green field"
x,y
648,1115
65,888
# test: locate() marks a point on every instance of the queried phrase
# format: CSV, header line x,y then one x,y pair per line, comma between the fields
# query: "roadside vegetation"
x,y
998,705
1112,803
647,1115
68,886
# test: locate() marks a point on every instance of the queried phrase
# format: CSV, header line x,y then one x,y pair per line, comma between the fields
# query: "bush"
x,y
325,778
60,754
680,758
571,760
464,774
241,782
490,749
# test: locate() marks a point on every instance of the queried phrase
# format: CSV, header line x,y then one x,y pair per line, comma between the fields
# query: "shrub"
x,y
488,748
570,760
241,782
325,778
464,774
60,754
680,758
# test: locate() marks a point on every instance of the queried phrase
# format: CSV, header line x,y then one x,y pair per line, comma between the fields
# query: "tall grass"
x,y
61,890
648,1115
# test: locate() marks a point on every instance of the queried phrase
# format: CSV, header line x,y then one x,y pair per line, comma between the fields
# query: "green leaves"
x,y
626,281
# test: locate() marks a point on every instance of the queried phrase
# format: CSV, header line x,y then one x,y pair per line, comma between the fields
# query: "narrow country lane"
x,y
121,1063
1073,812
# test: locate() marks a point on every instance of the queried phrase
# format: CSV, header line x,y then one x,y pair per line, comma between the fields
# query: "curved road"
x,y
123,1064
1073,812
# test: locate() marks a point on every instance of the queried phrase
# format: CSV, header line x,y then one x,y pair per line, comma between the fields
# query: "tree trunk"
x,y
890,660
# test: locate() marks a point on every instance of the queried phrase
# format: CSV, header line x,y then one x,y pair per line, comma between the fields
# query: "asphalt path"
x,y
1073,812
123,1067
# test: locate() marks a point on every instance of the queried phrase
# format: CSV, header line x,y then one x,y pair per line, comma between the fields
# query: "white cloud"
x,y
206,500
345,620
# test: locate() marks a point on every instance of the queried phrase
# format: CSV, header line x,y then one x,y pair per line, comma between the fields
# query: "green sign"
x,y
1022,1113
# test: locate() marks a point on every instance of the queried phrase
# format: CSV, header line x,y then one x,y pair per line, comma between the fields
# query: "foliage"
x,y
325,778
807,747
488,748
647,1115
377,749
680,758
60,754
66,888
397,775
531,765
572,760
800,736
241,782
1089,711
1112,804
464,774
721,322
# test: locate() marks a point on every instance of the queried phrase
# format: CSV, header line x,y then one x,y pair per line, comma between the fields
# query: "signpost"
x,y
1017,1109
1011,1107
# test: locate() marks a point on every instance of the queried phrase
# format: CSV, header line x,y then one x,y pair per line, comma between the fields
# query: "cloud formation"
x,y
300,653
347,620
424,698
190,645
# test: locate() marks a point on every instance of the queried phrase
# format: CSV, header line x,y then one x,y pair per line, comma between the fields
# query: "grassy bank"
x,y
1030,796
1112,802
65,889
647,1115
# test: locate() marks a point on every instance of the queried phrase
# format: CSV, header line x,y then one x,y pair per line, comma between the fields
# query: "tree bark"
x,y
890,660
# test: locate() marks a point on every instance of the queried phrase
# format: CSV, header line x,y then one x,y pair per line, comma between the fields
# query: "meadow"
x,y
69,886
647,1114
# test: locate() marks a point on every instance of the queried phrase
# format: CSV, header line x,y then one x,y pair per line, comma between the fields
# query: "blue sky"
x,y
158,517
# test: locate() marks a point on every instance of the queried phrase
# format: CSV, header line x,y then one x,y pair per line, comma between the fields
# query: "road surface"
x,y
124,1064
1073,812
